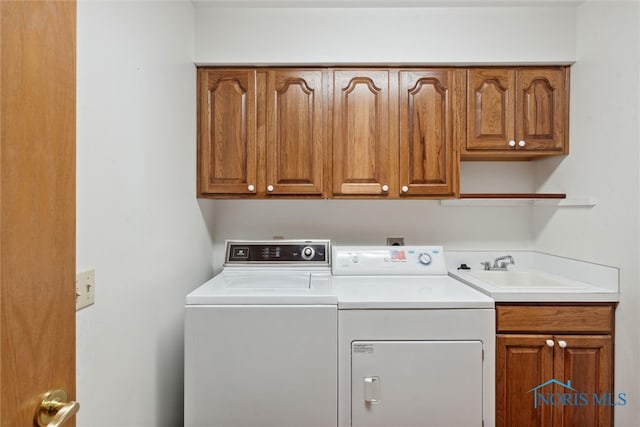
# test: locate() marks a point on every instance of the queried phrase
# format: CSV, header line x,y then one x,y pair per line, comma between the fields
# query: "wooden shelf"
x,y
513,196
519,199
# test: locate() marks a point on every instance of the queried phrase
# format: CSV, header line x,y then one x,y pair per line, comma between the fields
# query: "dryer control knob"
x,y
424,259
308,252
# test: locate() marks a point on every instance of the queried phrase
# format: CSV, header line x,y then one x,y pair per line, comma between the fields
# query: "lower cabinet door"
x,y
586,361
416,383
523,362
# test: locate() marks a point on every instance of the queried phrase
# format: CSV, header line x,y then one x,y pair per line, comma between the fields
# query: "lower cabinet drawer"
x,y
555,318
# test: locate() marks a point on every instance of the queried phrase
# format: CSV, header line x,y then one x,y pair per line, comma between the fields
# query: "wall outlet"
x,y
395,241
85,288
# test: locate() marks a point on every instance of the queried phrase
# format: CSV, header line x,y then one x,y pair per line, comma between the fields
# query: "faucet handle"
x,y
503,261
486,265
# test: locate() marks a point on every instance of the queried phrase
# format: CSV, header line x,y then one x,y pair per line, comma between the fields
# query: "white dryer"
x,y
261,339
415,347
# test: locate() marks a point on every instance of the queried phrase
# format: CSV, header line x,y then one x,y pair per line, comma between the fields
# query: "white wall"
x,y
138,221
385,35
603,164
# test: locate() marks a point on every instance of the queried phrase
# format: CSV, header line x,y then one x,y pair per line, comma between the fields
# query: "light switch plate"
x,y
85,288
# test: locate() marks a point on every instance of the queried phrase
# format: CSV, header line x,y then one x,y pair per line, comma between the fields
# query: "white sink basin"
x,y
524,279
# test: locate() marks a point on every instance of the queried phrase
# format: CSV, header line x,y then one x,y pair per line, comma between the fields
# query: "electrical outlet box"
x,y
395,241
85,288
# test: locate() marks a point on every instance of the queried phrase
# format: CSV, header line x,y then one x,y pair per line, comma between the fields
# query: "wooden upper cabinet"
x,y
362,148
295,143
517,112
375,132
261,132
490,109
431,122
227,150
541,109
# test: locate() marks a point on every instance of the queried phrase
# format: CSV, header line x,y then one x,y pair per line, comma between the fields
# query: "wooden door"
x,y
588,362
227,147
541,109
490,109
37,204
430,129
522,363
296,141
364,162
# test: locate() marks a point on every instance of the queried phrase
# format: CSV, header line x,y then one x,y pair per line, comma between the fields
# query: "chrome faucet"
x,y
499,264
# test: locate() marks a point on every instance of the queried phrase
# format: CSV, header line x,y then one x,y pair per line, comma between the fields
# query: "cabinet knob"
x,y
251,188
385,188
522,144
550,343
512,143
405,188
562,344
269,188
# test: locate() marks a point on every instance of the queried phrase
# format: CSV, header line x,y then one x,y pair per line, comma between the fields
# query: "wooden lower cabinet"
x,y
560,378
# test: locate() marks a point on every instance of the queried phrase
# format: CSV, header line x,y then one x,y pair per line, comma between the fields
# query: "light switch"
x,y
85,288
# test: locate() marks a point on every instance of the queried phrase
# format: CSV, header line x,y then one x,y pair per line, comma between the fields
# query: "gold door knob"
x,y
54,410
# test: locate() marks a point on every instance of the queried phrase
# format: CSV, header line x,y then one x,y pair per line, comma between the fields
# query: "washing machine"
x,y
415,346
261,339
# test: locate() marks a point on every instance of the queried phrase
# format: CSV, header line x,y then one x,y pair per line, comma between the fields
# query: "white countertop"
x,y
537,277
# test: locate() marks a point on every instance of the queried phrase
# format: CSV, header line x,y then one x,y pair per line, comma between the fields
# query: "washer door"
x,y
416,383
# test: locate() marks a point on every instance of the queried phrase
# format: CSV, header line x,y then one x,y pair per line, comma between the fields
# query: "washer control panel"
x,y
278,252
388,260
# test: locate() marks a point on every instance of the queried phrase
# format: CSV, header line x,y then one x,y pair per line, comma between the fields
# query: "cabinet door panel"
x,y
361,132
555,318
428,155
227,127
295,134
490,109
522,363
541,108
587,362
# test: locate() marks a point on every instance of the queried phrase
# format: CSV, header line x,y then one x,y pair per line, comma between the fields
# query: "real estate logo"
x,y
572,397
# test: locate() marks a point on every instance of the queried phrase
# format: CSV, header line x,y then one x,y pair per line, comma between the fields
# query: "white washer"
x,y
415,347
261,339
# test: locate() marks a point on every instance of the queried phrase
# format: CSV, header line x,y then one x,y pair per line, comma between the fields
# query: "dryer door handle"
x,y
371,390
